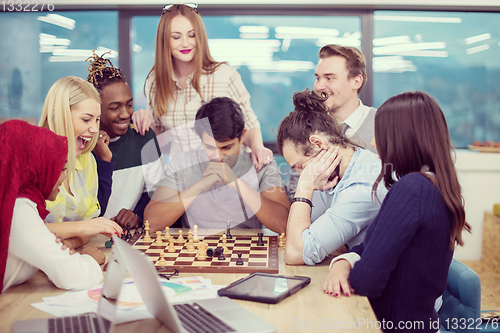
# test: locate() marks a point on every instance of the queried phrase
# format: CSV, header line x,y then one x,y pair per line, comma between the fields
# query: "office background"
x,y
450,49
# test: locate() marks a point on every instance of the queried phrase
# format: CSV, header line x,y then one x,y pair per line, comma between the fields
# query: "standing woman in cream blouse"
x,y
184,77
72,109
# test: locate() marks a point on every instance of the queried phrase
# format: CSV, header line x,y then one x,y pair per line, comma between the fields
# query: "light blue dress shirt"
x,y
341,215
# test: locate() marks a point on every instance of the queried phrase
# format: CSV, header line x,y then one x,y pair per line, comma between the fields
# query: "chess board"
x,y
255,258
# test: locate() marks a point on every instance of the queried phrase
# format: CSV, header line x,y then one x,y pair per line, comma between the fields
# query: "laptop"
x,y
99,322
218,314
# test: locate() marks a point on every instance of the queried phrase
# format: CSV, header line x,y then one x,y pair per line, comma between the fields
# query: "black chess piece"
x,y
228,234
217,251
260,242
210,252
221,256
128,235
239,262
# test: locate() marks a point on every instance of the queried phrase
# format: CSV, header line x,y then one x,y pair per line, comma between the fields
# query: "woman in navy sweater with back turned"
x,y
402,265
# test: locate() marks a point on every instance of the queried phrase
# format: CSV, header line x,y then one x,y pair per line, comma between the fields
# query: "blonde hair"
x,y
56,113
163,86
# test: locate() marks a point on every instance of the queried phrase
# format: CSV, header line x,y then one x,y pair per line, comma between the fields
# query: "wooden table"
x,y
307,310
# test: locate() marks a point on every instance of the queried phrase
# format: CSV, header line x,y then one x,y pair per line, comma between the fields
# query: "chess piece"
x,y
281,243
180,239
190,245
202,255
128,235
162,261
239,262
195,234
109,243
228,232
190,233
171,247
260,242
147,238
167,234
224,247
158,238
221,256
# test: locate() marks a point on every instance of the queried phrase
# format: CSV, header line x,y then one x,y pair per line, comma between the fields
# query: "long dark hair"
x,y
411,132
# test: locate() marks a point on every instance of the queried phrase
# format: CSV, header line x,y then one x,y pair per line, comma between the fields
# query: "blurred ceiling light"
x,y
276,66
50,49
418,19
394,64
59,20
477,49
66,58
254,36
54,41
137,48
338,40
477,38
285,45
407,47
254,29
391,40
422,53
65,55
304,32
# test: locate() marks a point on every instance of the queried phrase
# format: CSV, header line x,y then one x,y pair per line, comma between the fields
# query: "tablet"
x,y
265,287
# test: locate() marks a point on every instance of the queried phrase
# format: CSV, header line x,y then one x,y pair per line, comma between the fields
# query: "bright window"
x,y
37,49
452,56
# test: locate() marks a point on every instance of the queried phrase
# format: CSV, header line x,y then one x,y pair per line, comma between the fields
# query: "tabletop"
x,y
307,310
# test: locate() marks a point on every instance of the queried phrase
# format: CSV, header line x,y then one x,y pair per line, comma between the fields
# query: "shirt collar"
x,y
354,118
78,164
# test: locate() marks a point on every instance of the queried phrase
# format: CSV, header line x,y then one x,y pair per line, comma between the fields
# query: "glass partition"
x,y
453,56
275,55
36,49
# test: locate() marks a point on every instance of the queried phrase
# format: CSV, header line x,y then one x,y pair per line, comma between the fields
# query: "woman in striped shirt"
x,y
184,77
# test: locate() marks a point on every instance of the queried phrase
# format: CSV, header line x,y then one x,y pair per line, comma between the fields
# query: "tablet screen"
x,y
265,286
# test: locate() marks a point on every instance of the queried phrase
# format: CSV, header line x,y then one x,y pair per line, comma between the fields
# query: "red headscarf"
x,y
31,161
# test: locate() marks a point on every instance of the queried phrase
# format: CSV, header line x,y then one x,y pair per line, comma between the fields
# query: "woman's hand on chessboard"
x,y
99,225
95,253
126,215
337,280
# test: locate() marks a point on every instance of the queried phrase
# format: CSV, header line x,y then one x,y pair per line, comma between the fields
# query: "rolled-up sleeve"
x,y
351,210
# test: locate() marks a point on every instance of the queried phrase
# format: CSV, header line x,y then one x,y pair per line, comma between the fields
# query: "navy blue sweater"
x,y
405,256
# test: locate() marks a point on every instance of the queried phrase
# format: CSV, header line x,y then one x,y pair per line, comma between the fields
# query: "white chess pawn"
x,y
202,252
195,234
171,247
167,234
162,261
190,245
224,247
180,239
158,238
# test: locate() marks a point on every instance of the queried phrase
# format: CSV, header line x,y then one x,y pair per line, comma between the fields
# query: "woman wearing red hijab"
x,y
32,167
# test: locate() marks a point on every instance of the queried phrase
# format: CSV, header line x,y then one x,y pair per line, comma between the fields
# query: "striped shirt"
x,y
83,204
181,111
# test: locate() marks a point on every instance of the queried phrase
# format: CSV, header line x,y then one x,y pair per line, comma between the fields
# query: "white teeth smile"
x,y
85,139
